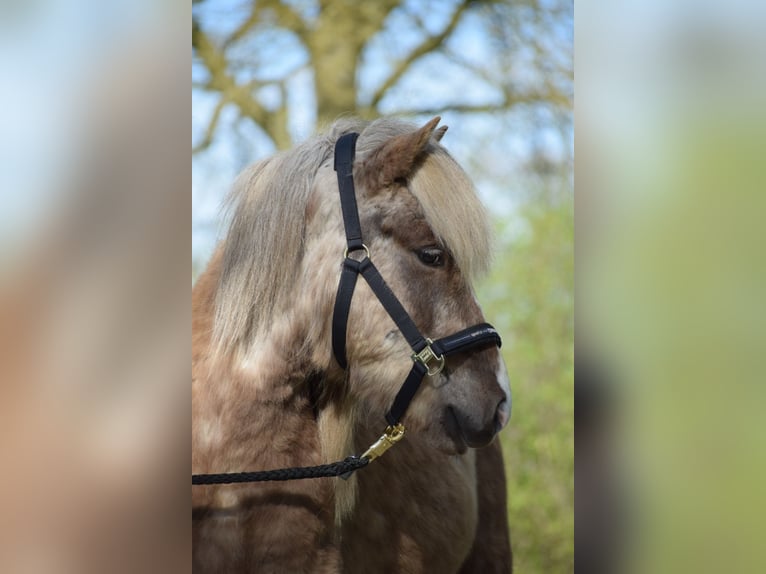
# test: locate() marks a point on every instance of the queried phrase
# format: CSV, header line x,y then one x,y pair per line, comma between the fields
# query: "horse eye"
x,y
431,256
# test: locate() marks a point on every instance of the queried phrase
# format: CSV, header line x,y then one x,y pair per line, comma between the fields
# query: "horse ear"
x,y
439,134
396,158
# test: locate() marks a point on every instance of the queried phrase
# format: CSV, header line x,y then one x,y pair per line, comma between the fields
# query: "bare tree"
x,y
531,63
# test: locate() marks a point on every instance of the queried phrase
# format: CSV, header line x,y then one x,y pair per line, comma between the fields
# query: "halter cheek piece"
x,y
429,357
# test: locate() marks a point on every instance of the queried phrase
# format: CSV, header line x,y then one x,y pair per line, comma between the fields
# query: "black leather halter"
x,y
428,356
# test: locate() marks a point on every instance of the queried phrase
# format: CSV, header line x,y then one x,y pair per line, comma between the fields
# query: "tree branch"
x,y
428,45
550,93
509,100
211,127
455,108
286,17
274,124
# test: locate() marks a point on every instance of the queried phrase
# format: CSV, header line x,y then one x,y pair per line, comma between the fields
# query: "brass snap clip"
x,y
391,436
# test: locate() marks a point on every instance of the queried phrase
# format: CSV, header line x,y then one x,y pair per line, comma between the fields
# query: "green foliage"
x,y
529,297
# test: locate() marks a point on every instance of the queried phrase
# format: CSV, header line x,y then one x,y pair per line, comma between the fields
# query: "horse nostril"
x,y
501,415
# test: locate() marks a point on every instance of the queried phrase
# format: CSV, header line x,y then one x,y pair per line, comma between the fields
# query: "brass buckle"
x,y
391,436
426,356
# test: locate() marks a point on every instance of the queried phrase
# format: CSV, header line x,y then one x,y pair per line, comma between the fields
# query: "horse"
x,y
268,391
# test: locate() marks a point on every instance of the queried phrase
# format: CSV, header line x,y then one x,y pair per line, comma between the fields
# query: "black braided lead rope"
x,y
343,467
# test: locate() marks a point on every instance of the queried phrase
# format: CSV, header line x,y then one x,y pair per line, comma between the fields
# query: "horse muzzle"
x,y
473,430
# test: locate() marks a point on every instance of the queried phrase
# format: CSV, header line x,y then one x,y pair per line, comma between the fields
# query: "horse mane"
x,y
267,212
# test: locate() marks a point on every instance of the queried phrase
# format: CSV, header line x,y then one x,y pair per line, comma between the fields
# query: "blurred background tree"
x,y
267,74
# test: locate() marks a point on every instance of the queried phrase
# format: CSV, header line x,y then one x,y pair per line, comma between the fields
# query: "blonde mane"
x,y
267,208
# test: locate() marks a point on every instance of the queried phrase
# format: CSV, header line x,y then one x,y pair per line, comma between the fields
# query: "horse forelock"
x,y
447,196
453,210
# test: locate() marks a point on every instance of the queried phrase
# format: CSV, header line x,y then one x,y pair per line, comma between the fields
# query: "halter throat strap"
x,y
428,356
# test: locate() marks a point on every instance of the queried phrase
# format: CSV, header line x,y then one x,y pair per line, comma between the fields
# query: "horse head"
x,y
428,235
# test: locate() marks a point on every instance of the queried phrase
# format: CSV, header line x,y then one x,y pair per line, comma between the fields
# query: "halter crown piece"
x,y
429,357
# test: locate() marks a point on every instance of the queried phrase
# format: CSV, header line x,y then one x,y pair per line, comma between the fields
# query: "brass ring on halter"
x,y
366,251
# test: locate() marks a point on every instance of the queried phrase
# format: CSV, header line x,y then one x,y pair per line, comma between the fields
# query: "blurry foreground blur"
x,y
94,309
671,273
94,304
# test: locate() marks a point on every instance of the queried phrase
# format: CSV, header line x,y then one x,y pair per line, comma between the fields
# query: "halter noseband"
x,y
429,357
